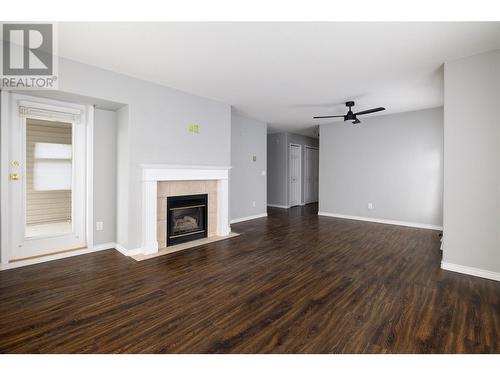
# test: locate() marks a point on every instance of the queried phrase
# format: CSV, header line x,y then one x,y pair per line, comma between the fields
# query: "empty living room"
x,y
230,183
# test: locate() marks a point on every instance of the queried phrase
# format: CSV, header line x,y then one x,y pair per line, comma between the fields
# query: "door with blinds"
x,y
47,178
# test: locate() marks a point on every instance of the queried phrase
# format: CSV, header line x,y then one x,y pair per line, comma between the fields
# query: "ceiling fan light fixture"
x,y
353,116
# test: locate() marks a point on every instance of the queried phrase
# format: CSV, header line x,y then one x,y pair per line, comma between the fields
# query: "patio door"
x,y
47,178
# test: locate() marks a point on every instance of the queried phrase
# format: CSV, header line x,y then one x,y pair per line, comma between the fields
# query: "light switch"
x,y
254,158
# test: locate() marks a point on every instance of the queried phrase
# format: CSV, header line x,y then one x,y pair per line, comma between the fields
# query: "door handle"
x,y
14,176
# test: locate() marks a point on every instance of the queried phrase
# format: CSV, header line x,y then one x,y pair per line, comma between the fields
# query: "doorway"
x,y
311,174
46,184
295,175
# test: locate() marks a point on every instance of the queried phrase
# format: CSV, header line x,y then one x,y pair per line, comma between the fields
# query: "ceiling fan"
x,y
350,116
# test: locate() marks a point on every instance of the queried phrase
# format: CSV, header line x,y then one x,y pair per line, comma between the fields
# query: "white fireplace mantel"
x,y
152,173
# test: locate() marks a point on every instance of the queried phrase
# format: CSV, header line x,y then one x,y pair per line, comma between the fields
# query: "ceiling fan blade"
x,y
328,116
378,109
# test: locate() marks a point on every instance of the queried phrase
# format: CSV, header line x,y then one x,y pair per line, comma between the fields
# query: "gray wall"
x,y
472,160
105,175
393,161
277,164
155,131
247,183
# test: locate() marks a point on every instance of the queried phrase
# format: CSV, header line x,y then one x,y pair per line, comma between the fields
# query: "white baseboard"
x,y
104,246
128,252
277,205
258,216
471,271
48,258
382,221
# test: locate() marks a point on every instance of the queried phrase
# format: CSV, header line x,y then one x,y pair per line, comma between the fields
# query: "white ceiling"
x,y
285,73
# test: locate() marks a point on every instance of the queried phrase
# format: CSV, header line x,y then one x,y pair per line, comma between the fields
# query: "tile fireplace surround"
x,y
176,188
160,181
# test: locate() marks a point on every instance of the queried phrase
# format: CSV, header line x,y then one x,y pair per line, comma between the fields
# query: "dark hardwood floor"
x,y
291,283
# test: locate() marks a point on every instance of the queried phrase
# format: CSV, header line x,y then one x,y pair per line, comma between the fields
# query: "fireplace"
x,y
186,218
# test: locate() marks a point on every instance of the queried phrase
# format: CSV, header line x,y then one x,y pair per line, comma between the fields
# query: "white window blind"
x,y
52,169
53,151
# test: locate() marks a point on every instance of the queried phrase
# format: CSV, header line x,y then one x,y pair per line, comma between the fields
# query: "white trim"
x,y
90,177
10,101
149,242
382,221
470,271
152,173
48,258
104,246
4,176
182,166
162,172
290,145
128,252
246,218
45,111
278,206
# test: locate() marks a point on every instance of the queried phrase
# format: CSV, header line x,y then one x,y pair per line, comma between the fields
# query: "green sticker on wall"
x,y
194,128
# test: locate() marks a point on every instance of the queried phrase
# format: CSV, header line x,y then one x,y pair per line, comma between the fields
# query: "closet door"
x,y
295,162
315,175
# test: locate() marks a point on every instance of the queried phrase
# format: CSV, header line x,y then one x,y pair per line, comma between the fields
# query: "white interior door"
x,y
47,178
315,175
295,174
311,172
307,176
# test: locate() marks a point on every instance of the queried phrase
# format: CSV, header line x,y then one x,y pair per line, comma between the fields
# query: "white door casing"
x,y
295,166
15,245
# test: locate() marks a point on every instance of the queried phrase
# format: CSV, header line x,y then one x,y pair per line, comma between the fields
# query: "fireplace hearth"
x,y
186,218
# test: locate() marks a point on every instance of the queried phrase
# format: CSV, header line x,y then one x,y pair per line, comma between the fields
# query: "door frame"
x,y
8,102
290,145
307,170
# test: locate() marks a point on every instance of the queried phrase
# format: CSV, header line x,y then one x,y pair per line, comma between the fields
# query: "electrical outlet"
x,y
253,203
99,225
370,206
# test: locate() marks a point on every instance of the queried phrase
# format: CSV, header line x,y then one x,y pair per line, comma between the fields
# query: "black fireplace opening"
x,y
186,218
